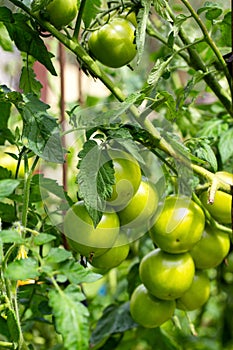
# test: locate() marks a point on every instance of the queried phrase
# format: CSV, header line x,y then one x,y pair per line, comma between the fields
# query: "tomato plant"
x,y
114,43
105,221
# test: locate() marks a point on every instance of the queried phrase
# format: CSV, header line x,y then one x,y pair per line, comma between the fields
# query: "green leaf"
x,y
157,71
41,130
95,179
115,319
28,82
4,328
43,238
13,326
46,186
5,133
57,255
124,138
71,317
5,41
169,103
91,9
77,274
7,187
213,10
7,212
28,40
10,236
6,14
225,27
226,145
142,18
22,269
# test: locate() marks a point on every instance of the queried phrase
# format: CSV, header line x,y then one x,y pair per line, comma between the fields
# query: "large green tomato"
x,y
225,176
114,43
141,208
197,295
167,276
220,210
210,251
115,255
147,310
60,12
179,225
83,237
127,178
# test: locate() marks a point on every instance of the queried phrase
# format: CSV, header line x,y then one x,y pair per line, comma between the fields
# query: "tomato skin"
x,y
197,295
147,310
83,237
127,178
114,43
210,251
220,210
178,226
115,255
61,13
166,276
141,208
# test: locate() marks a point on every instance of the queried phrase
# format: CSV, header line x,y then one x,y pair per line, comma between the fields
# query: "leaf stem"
x,y
79,19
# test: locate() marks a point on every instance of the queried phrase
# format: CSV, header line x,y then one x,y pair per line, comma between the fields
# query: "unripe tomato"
x,y
210,251
225,176
127,177
220,210
60,12
141,208
167,276
114,43
197,295
130,16
115,255
179,225
83,237
147,310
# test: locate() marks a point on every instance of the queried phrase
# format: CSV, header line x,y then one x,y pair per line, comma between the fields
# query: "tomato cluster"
x,y
133,202
173,275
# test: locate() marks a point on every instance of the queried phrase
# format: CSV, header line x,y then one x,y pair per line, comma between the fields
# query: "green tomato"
x,y
60,13
210,251
220,210
197,295
141,208
178,226
167,276
114,43
83,237
149,311
115,255
127,178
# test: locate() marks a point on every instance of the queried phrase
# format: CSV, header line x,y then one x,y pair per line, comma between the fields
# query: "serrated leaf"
x,y
115,319
95,179
43,238
226,145
71,317
7,187
28,40
22,269
142,18
158,71
77,274
10,236
57,255
28,82
206,153
125,139
41,130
